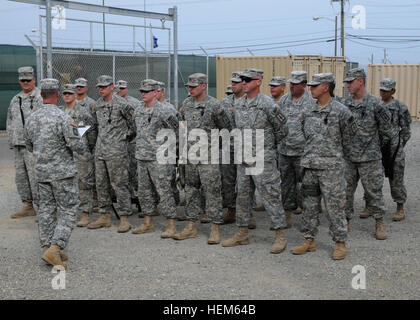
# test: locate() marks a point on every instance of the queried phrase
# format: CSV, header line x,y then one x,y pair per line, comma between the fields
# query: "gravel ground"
x,y
104,264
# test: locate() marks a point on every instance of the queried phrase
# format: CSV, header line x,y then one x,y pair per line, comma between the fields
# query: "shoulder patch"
x,y
383,114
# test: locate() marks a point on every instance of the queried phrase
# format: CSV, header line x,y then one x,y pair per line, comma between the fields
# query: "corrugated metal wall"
x,y
279,66
407,77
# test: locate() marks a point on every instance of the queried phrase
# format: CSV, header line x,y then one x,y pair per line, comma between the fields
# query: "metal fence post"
x,y
49,53
175,16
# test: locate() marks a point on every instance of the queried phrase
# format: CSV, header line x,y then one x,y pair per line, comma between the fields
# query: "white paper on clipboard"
x,y
82,130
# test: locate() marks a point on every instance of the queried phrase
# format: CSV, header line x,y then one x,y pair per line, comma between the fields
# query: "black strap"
x,y
21,112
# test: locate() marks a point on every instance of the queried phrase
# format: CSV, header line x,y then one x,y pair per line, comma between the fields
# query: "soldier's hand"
x,y
72,123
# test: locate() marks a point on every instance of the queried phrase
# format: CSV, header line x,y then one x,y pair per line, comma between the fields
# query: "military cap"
x,y
149,85
26,73
195,79
71,88
49,84
387,84
229,90
104,81
161,85
354,73
81,82
252,73
236,77
121,84
321,78
277,81
297,77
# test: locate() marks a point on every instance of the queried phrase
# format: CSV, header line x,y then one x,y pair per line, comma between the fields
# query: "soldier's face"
x,y
106,91
251,85
27,85
355,85
148,96
68,97
386,95
318,90
277,91
297,89
123,91
197,91
237,87
81,90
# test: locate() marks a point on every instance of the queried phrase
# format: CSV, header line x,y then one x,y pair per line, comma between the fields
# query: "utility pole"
x,y
49,42
103,19
342,28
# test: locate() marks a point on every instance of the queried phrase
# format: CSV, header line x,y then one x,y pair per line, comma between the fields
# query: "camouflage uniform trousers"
x,y
132,168
58,205
291,181
113,173
398,190
372,176
25,175
174,186
331,185
228,175
155,178
203,181
268,185
86,180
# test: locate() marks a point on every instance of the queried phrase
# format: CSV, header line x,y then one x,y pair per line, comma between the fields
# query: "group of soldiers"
x,y
316,146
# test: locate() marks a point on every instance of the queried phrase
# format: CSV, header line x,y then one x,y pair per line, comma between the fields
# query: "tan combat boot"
x,y
307,246
26,211
366,213
52,256
240,238
288,214
280,242
170,230
103,221
399,215
64,257
124,224
380,229
84,220
146,227
252,223
214,234
190,231
339,251
230,216
205,219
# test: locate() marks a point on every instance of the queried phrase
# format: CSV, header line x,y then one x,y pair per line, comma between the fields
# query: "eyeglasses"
x,y
247,80
25,80
67,93
103,87
144,91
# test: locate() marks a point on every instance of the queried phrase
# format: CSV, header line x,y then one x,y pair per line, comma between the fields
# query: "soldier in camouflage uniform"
x,y
290,149
134,103
258,111
114,117
154,176
364,160
328,127
86,171
200,111
52,136
228,91
277,87
20,108
400,122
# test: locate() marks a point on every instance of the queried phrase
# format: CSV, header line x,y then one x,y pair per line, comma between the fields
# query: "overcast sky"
x,y
232,27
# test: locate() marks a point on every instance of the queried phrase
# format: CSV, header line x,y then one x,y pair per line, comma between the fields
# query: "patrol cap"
x,y
71,88
26,73
81,82
122,84
149,85
252,73
104,81
387,84
195,79
297,77
161,85
49,84
236,77
355,73
277,81
229,90
319,78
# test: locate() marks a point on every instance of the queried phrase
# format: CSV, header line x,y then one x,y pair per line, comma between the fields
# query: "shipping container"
x,y
407,77
279,66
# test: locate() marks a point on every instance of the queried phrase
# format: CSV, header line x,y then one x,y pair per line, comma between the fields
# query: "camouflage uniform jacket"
x,y
83,117
293,144
277,101
328,132
133,102
262,113
88,103
51,138
400,121
374,128
229,104
27,103
115,126
148,123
